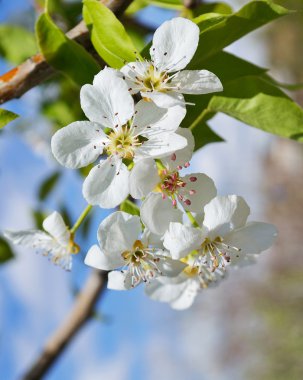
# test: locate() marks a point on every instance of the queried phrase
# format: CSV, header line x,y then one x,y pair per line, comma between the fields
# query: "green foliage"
x,y
16,43
48,185
129,207
6,117
204,135
221,8
63,54
108,34
6,253
226,29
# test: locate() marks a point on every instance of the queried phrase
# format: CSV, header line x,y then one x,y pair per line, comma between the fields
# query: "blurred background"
x,y
249,327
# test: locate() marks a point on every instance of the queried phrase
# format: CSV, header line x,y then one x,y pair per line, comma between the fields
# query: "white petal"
x,y
164,292
160,145
30,239
118,232
196,82
147,114
174,44
106,184
95,258
204,190
149,238
119,281
143,178
170,268
172,119
157,213
79,144
255,237
187,297
165,99
133,70
224,214
107,101
181,156
56,227
180,240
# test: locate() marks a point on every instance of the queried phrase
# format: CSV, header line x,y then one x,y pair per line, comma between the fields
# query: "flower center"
x,y
123,143
171,182
142,265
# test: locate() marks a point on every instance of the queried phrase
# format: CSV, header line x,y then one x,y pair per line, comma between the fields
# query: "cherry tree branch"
x,y
81,312
36,70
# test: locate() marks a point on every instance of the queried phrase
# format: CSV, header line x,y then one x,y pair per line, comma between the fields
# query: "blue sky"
x,y
137,338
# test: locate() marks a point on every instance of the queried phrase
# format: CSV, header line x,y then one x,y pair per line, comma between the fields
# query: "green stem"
x,y
199,119
159,164
192,219
81,218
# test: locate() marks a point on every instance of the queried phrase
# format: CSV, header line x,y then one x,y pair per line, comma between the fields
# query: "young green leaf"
x,y
129,207
108,35
63,54
16,43
226,29
6,253
6,117
204,135
48,185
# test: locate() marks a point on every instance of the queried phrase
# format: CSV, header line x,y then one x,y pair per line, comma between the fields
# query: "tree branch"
x,y
36,70
81,312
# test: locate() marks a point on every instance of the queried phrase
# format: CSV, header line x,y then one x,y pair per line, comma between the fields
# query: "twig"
x,y
81,312
36,70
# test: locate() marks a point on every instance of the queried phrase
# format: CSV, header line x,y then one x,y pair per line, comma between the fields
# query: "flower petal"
x,y
196,82
79,144
106,184
165,100
160,145
255,237
164,292
107,101
30,239
174,44
181,156
224,214
180,240
187,296
118,232
157,213
95,258
56,227
199,192
118,280
170,268
143,178
147,114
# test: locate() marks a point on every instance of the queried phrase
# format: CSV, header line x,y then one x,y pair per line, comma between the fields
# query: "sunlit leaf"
x,y
108,34
64,54
6,117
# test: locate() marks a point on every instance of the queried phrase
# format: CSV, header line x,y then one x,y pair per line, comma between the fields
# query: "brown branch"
x,y
36,70
81,312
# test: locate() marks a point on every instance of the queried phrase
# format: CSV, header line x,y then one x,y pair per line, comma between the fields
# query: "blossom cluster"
x,y
185,236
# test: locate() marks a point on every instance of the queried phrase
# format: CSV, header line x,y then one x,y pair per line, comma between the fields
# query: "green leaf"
x,y
48,185
6,117
16,43
38,217
204,135
224,30
63,54
6,253
129,207
212,8
108,35
262,105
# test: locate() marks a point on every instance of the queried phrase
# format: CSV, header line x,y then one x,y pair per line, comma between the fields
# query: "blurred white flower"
x,y
56,241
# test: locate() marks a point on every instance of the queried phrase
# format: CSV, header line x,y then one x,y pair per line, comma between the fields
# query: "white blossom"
x,y
131,256
160,79
193,190
55,241
119,129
